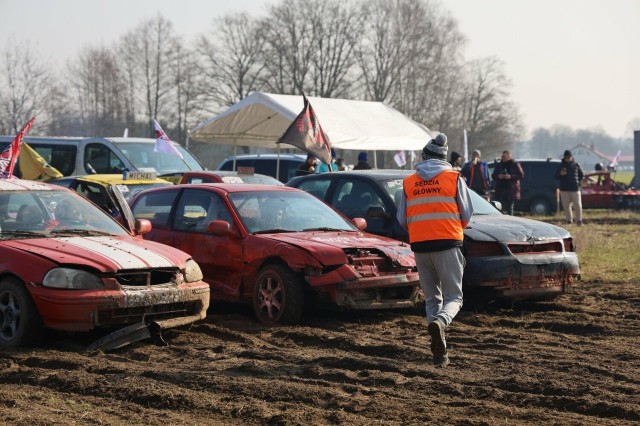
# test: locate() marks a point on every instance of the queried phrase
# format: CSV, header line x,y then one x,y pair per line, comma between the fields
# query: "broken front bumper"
x,y
349,289
83,310
522,276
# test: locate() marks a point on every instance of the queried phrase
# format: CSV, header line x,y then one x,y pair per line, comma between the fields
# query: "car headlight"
x,y
192,272
74,279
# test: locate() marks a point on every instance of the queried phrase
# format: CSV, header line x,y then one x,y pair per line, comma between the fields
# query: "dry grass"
x,y
608,245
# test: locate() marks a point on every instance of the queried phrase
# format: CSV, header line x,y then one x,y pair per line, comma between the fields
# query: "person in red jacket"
x,y
435,207
506,176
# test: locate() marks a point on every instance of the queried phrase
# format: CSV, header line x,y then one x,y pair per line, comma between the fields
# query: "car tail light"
x,y
568,244
484,248
554,247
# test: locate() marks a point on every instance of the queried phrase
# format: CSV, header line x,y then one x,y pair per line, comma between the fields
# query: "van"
x,y
89,155
266,164
538,189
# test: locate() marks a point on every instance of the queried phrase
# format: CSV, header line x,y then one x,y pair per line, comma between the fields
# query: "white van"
x,y
88,155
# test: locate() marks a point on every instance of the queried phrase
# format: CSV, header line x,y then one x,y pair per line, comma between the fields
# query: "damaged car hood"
x,y
512,229
106,254
328,247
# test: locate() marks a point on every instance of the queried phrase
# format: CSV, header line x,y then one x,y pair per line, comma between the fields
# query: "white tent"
x,y
261,118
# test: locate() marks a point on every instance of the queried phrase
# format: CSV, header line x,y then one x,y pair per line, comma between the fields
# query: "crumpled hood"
x,y
512,229
106,254
328,247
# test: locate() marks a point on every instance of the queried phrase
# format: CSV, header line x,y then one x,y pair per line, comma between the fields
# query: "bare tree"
x,y
189,89
151,48
337,28
232,58
26,82
289,47
99,91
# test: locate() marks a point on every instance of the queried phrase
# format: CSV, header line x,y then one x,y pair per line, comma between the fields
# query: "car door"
x,y
356,197
219,257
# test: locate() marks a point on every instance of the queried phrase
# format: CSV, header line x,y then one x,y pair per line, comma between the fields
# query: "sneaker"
x,y
438,342
441,360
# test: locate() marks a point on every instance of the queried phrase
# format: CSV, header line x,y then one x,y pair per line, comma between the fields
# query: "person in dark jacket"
x,y
308,167
570,174
363,162
456,161
507,175
476,173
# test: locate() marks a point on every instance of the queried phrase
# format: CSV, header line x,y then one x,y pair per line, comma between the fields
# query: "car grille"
x,y
155,312
143,278
549,247
368,263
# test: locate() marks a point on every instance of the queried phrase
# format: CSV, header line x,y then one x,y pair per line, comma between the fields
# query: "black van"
x,y
538,189
267,164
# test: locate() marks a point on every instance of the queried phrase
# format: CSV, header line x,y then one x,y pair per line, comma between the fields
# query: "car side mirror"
x,y
142,226
377,212
497,205
360,223
221,228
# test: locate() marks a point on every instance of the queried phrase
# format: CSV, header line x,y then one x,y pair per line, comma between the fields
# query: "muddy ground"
x,y
575,360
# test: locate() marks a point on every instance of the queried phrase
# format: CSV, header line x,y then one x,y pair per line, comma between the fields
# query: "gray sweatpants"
x,y
441,281
569,199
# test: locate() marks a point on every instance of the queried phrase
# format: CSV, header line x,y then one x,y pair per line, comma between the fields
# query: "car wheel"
x,y
278,296
539,207
20,323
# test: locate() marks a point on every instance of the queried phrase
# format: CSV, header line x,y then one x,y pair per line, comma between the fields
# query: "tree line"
x,y
406,53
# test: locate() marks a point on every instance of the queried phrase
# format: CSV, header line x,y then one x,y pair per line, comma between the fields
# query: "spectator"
x,y
363,162
507,176
341,166
476,174
323,168
308,167
570,174
456,161
435,207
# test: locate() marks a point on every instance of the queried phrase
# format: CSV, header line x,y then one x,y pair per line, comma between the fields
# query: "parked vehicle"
x,y
277,248
220,176
80,156
266,164
538,189
99,189
599,190
66,265
510,257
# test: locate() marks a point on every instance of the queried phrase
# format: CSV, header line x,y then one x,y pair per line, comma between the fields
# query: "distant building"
x,y
588,157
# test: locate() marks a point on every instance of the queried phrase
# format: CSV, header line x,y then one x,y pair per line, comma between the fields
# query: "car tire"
x,y
278,296
20,323
539,207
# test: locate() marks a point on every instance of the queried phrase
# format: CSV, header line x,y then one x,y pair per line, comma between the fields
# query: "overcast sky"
x,y
572,62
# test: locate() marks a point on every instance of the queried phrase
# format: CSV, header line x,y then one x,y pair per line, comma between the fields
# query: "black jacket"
x,y
571,180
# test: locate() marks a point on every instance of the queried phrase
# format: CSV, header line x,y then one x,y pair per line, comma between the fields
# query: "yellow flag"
x,y
34,167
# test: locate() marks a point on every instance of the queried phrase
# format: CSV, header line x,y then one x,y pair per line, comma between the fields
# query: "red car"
x,y
600,191
67,265
277,248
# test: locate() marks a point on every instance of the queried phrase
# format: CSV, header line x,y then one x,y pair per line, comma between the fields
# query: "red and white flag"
x,y
306,133
400,159
10,154
614,162
163,143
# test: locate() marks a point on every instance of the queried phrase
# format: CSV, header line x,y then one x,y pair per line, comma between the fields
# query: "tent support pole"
x,y
375,159
278,163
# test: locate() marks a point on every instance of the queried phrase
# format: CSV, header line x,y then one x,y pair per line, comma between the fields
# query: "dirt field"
x,y
575,360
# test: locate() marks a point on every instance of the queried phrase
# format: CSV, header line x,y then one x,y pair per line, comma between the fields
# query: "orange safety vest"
x,y
432,210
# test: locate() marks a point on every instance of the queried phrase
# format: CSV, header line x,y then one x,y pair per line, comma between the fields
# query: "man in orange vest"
x,y
435,208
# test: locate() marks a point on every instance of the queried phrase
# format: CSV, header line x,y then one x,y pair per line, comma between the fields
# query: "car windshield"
x,y
143,157
286,211
394,189
42,214
481,206
129,190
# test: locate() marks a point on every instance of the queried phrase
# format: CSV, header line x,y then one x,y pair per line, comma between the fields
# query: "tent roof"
x,y
261,118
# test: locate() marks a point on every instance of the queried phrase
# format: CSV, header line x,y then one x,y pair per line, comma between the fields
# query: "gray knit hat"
x,y
436,148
